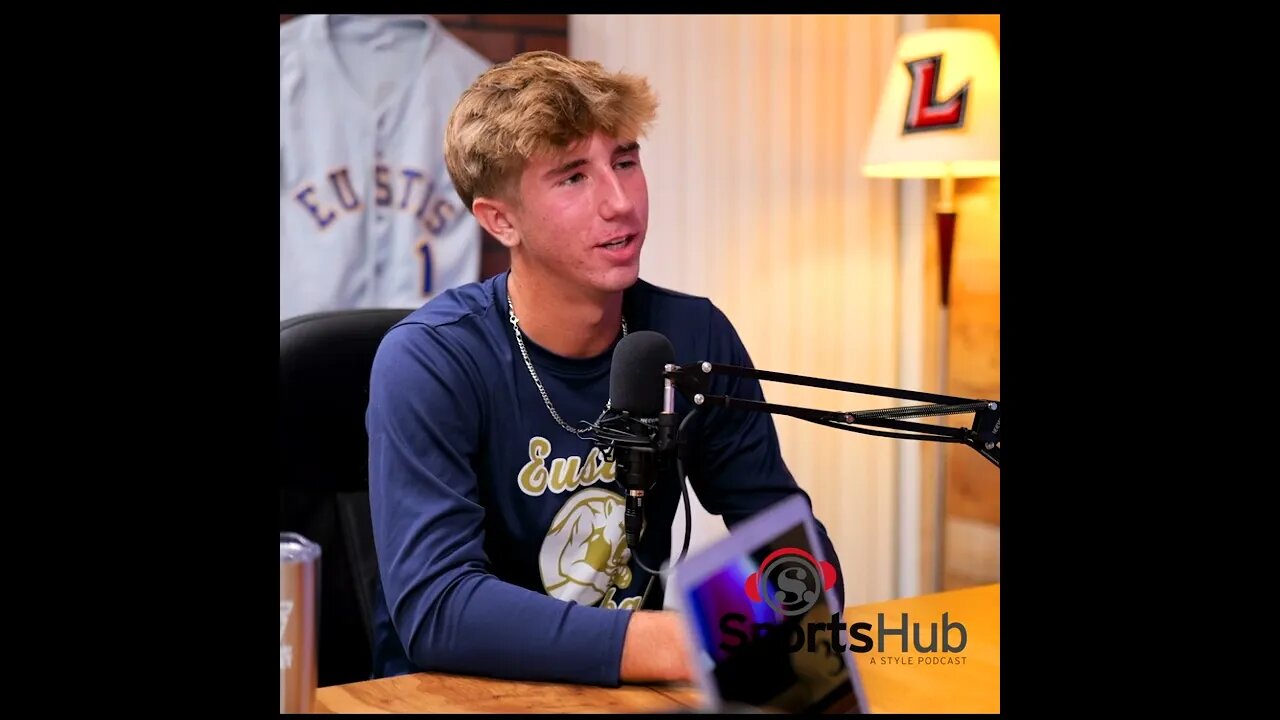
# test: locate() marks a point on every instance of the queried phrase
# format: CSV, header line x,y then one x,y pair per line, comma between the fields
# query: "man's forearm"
x,y
655,649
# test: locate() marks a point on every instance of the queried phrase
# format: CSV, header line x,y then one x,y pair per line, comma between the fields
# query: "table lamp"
x,y
939,117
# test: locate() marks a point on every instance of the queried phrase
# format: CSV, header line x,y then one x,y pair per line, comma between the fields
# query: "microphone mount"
x,y
983,435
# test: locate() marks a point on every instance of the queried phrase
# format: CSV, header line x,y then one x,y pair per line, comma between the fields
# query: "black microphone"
x,y
639,430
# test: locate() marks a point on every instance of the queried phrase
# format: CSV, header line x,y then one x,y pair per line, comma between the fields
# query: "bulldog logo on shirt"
x,y
584,555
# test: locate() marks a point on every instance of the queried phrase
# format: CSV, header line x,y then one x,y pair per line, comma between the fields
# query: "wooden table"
x,y
441,693
895,682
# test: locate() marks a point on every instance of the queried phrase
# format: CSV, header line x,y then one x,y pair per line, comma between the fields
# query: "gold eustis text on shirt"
x,y
565,474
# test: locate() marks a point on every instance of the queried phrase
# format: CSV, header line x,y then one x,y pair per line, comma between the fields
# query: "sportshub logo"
x,y
944,642
799,577
791,581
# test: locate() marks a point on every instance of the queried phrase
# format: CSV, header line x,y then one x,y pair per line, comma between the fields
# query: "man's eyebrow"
x,y
620,150
565,168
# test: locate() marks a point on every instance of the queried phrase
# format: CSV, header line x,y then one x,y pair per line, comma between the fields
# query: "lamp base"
x,y
940,494
946,243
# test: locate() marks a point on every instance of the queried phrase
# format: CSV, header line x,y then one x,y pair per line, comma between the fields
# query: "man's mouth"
x,y
618,243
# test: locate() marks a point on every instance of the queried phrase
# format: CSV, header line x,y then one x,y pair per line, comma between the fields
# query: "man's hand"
x,y
655,649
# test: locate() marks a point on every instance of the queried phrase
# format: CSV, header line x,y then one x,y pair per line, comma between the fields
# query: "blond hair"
x,y
538,102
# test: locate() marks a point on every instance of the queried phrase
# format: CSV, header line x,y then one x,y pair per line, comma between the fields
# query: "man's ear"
x,y
495,217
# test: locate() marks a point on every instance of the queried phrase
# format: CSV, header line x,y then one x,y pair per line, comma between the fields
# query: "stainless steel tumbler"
x,y
299,622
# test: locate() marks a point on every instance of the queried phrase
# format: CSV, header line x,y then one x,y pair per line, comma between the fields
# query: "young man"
x,y
499,529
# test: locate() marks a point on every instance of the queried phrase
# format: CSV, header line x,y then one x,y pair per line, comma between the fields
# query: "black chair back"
x,y
325,359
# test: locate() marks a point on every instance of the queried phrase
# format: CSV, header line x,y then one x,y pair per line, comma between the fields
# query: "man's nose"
x,y
614,200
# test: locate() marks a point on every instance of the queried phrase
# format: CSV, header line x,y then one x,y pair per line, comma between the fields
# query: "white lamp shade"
x,y
939,111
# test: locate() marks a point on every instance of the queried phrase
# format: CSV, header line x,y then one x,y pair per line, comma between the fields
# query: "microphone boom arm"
x,y
984,435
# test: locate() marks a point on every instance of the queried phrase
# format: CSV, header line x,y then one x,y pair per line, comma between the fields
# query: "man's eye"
x,y
573,179
623,164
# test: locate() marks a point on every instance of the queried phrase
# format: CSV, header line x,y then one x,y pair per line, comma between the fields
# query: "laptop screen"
x,y
773,648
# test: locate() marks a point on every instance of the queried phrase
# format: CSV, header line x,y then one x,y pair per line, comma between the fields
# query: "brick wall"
x,y
499,38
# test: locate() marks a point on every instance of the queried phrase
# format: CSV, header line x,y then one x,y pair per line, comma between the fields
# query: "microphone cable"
x,y
611,434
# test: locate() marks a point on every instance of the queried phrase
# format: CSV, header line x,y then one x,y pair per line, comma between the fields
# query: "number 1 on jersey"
x,y
424,248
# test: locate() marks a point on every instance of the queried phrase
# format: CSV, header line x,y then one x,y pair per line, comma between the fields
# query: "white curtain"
x,y
757,201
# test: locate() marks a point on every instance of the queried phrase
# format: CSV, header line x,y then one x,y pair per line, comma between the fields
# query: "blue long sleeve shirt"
x,y
499,534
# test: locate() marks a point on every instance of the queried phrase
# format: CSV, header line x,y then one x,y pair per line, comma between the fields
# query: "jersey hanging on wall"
x,y
368,214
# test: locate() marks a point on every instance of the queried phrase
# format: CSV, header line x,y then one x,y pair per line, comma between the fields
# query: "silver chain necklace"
x,y
515,324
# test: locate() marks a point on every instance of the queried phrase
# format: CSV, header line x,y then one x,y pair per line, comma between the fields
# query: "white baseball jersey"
x,y
368,214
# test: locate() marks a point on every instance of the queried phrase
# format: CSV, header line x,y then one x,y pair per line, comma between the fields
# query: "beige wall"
x,y
757,200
